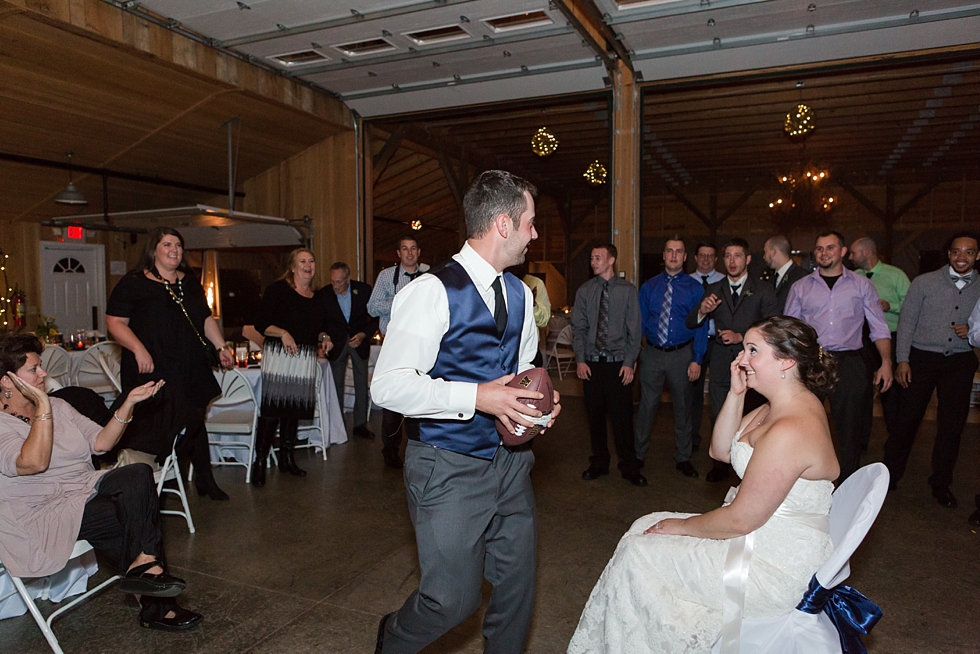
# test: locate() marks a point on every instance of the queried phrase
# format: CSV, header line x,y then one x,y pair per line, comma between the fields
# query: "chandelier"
x,y
543,143
799,122
803,200
595,174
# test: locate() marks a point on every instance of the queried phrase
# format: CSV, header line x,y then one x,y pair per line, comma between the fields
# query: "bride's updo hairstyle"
x,y
794,339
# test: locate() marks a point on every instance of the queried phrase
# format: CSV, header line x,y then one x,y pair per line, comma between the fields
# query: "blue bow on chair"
x,y
852,613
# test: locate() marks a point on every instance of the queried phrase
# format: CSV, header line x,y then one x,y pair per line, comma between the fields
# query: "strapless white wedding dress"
x,y
664,594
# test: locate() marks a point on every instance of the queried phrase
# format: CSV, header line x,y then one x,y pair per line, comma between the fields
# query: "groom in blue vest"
x,y
457,335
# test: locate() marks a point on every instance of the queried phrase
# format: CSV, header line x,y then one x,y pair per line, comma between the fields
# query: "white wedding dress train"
x,y
664,594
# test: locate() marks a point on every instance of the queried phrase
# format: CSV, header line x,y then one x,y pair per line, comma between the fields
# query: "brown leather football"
x,y
535,379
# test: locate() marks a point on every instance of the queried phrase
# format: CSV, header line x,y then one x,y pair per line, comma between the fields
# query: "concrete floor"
x,y
310,565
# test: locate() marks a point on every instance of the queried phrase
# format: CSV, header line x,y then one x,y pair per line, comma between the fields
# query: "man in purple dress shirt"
x,y
836,302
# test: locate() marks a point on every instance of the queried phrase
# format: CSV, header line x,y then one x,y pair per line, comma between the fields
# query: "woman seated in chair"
x,y
664,588
51,496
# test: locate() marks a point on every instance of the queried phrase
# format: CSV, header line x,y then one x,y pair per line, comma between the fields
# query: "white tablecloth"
x,y
333,419
73,580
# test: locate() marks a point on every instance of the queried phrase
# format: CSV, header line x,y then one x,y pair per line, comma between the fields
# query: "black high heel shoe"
x,y
208,486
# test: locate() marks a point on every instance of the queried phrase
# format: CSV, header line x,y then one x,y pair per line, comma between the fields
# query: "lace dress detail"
x,y
663,594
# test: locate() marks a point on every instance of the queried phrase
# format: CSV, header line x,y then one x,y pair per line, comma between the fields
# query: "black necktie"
x,y
775,280
869,274
735,288
499,308
704,281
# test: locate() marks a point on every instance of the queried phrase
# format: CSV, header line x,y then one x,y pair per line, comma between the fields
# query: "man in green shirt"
x,y
892,284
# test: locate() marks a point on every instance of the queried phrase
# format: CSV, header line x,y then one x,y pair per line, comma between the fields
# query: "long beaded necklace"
x,y
179,295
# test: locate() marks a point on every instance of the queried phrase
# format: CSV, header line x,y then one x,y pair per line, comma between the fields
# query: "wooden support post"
x,y
380,161
367,184
626,171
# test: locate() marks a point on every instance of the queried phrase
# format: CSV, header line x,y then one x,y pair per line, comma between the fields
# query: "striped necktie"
x,y
602,326
663,326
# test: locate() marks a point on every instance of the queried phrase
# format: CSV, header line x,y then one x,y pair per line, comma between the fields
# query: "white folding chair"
x,y
81,547
856,505
317,423
561,353
99,369
57,363
168,472
234,413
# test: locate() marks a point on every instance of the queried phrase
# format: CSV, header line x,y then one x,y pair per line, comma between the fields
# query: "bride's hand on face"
x,y
739,377
668,527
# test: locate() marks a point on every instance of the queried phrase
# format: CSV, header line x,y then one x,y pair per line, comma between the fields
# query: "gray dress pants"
x,y
656,367
474,519
359,367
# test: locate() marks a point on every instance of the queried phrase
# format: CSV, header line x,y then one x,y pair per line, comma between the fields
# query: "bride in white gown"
x,y
665,587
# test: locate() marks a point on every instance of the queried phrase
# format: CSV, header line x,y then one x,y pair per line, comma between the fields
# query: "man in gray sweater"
x,y
934,354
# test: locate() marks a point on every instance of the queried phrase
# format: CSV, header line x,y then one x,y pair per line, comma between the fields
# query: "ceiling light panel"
x,y
292,60
434,35
365,47
518,21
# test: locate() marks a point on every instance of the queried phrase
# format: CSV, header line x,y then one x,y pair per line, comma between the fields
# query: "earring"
x,y
8,394
783,375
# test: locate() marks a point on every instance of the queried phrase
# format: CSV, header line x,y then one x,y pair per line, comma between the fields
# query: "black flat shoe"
x,y
361,431
594,473
686,469
974,518
635,478
380,644
140,582
216,493
392,461
718,472
183,620
944,496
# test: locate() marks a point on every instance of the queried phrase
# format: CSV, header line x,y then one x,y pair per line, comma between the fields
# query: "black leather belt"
x,y
846,353
673,348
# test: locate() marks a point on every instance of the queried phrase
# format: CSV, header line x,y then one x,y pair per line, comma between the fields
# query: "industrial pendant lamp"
x,y
70,194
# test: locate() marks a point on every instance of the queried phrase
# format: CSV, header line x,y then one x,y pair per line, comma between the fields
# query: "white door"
x,y
73,285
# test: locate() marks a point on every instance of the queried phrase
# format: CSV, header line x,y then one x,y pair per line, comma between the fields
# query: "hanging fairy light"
x,y
595,174
416,225
543,143
799,122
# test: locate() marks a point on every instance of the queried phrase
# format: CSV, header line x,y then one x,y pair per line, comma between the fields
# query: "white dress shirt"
x,y
419,320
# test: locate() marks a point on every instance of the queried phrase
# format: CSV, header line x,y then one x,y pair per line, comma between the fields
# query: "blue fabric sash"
x,y
852,613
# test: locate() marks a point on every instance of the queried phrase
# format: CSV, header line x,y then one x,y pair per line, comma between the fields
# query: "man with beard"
x,y
785,272
457,335
934,355
836,302
892,284
735,304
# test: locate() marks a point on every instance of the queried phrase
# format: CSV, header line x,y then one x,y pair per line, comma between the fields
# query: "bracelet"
x,y
43,416
121,422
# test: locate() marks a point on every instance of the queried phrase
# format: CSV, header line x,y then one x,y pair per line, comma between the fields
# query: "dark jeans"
x,y
850,405
952,379
391,431
123,519
606,394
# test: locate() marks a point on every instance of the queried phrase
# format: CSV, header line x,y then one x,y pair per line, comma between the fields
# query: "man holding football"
x,y
457,335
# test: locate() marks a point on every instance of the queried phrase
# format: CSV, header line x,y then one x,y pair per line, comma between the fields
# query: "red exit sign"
x,y
75,232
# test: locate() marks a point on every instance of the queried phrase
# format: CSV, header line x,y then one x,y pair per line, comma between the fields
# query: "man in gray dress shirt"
x,y
606,327
934,354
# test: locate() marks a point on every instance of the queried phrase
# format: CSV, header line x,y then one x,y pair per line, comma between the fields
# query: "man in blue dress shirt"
x,y
673,353
705,258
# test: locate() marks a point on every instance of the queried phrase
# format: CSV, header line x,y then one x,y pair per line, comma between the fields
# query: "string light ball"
x,y
799,121
416,225
595,174
544,143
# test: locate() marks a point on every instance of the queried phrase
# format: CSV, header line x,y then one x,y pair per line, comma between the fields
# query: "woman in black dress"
x,y
295,327
159,314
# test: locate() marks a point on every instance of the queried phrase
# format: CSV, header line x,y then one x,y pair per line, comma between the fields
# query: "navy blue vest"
x,y
471,351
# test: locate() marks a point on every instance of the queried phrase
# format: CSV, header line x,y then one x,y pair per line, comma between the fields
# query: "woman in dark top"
x,y
295,327
159,314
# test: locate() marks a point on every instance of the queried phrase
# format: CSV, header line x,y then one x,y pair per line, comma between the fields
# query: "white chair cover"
x,y
99,369
57,363
70,581
856,505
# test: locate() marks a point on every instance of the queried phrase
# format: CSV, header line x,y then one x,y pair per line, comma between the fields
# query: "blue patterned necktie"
x,y
602,326
663,326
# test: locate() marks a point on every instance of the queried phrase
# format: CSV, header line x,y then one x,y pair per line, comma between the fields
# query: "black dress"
x,y
178,354
179,357
289,381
